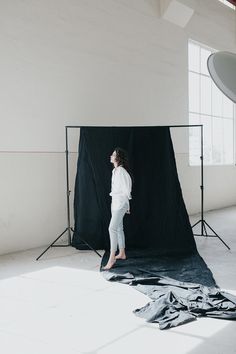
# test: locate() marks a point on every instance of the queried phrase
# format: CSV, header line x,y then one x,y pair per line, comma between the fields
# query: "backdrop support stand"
x,y
69,229
202,221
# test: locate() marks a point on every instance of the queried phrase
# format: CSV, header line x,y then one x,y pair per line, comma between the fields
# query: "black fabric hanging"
x,y
158,218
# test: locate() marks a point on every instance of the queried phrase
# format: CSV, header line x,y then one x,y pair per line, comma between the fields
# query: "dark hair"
x,y
122,159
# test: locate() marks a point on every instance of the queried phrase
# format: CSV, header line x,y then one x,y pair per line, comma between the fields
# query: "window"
x,y
210,107
227,3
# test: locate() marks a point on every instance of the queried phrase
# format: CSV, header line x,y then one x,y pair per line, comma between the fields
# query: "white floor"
x,y
61,304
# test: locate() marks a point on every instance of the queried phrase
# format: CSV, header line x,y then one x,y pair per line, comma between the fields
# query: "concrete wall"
x,y
92,62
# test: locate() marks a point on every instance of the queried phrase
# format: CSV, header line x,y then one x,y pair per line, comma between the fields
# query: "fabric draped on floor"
x,y
181,288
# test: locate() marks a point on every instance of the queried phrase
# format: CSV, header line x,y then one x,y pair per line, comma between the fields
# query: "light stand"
x,y
222,70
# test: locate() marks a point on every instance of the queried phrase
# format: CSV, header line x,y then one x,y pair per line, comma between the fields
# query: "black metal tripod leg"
x,y
52,244
88,245
196,223
205,228
217,235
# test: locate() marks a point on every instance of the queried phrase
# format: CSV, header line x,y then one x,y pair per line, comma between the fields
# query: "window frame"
x,y
212,50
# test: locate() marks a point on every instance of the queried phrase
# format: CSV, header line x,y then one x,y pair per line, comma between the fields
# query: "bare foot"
x,y
109,265
119,256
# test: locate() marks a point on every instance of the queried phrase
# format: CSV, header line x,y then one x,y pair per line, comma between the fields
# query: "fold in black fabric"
x,y
189,293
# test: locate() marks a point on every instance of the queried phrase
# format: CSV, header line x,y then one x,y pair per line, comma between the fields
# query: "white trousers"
x,y
116,228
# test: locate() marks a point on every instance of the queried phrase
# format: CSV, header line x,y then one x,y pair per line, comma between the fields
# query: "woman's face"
x,y
113,157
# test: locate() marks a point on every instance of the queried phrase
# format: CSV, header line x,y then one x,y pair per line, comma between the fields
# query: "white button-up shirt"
x,y
121,185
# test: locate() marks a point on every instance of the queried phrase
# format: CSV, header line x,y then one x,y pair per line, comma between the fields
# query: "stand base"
x,y
204,231
69,229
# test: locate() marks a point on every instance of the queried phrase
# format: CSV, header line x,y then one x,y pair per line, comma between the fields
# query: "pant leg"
x,y
121,235
116,221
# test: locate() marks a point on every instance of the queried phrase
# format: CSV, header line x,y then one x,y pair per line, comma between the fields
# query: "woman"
x,y
121,185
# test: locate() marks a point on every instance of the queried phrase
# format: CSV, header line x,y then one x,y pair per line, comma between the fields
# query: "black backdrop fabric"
x,y
158,218
162,258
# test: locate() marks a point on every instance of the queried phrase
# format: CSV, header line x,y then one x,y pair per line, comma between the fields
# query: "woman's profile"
x,y
121,186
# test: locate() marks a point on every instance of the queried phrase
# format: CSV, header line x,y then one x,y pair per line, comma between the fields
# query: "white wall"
x,y
92,62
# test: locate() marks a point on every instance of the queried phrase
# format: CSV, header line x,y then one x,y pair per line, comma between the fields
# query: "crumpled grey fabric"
x,y
176,302
181,288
